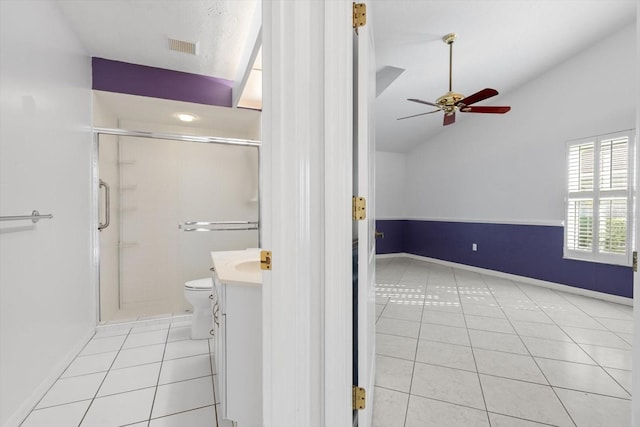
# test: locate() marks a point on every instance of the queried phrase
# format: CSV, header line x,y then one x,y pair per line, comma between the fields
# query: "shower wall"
x,y
166,183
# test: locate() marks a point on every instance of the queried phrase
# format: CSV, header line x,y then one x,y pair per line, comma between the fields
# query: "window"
x,y
599,217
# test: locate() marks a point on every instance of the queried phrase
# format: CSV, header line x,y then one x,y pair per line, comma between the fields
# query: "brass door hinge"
x,y
265,260
635,261
359,15
359,208
359,398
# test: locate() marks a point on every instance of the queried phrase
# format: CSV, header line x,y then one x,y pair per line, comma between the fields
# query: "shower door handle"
x,y
107,206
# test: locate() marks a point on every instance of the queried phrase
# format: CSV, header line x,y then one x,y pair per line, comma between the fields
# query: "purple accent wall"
x,y
524,250
122,77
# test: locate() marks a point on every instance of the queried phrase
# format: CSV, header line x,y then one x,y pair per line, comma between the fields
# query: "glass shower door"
x,y
158,185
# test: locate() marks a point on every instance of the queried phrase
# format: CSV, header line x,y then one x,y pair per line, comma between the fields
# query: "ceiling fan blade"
x,y
422,102
449,119
487,109
416,115
478,96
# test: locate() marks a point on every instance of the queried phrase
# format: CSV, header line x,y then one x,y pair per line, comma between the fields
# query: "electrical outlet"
x,y
474,247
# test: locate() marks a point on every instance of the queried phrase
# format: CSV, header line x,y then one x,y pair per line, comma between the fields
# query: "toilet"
x,y
197,293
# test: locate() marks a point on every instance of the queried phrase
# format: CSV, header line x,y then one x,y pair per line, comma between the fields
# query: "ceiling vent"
x,y
183,46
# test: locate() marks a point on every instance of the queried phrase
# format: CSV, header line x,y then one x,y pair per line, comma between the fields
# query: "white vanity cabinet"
x,y
237,308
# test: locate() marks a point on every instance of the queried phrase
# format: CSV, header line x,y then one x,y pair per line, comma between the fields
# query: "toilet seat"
x,y
199,285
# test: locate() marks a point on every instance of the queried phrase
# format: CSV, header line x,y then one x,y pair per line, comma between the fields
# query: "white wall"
x,y
46,295
512,167
390,185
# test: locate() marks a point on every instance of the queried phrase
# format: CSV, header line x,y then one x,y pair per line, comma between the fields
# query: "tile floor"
x,y
140,376
456,348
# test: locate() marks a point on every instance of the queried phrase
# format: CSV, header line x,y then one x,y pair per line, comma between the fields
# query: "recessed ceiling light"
x,y
184,117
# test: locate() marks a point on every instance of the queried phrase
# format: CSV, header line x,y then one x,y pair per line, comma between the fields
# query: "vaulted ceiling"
x,y
500,45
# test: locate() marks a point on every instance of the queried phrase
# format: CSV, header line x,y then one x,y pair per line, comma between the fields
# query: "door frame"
x,y
364,65
306,166
635,375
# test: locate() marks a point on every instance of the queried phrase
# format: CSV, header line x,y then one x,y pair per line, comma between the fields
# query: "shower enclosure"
x,y
165,202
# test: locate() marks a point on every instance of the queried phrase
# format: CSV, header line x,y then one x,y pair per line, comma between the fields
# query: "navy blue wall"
x,y
393,240
525,250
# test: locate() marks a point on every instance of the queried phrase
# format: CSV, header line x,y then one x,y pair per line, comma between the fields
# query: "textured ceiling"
x,y
137,31
500,44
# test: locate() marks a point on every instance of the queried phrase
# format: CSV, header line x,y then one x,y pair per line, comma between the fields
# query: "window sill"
x,y
619,263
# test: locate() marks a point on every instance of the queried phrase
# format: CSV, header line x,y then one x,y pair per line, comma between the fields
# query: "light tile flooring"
x,y
141,376
456,348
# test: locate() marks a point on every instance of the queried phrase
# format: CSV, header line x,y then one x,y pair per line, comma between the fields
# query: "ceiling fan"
x,y
451,101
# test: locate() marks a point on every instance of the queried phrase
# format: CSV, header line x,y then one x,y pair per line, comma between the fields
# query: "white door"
x,y
635,417
364,84
306,176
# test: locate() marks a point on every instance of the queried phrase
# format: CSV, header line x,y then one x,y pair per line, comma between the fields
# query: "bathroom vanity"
x,y
237,329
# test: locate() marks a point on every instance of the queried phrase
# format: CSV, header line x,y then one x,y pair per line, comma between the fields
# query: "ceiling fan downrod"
x,y
451,102
449,39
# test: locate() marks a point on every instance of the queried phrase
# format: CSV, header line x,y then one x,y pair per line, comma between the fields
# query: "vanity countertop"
x,y
238,267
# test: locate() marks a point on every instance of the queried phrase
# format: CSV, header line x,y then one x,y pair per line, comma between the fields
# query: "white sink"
x,y
248,266
238,267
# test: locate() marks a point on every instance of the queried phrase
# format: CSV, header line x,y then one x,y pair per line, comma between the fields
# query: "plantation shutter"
x,y
598,202
614,178
579,223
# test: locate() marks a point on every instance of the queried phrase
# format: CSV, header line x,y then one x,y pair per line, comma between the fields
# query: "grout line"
x,y
450,403
592,392
128,391
523,419
213,385
181,412
606,369
538,366
104,378
124,391
406,409
126,333
529,382
540,306
155,393
475,363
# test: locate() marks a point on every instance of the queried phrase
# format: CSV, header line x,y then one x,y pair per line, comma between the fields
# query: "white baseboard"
x,y
31,402
516,278
142,322
394,255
